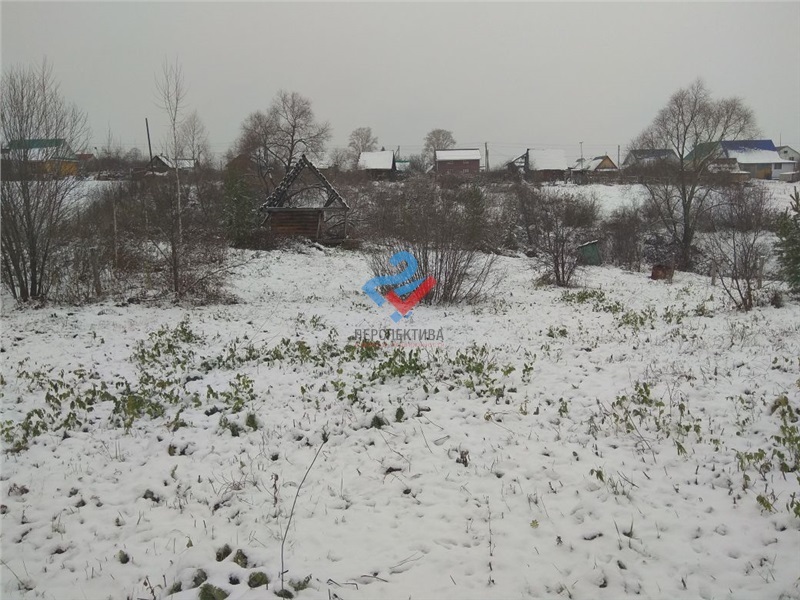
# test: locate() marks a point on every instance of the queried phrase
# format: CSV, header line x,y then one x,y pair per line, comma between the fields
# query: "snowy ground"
x,y
612,196
524,462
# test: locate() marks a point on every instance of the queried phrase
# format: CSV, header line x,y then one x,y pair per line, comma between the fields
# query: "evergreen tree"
x,y
788,246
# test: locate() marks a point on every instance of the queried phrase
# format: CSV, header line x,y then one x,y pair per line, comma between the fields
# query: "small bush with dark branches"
x,y
556,223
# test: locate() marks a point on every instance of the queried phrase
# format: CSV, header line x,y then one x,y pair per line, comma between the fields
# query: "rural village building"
x,y
378,165
465,161
648,158
52,157
759,158
544,163
162,164
788,153
597,168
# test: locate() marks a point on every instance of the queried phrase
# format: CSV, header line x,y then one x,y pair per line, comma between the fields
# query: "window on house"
x,y
778,166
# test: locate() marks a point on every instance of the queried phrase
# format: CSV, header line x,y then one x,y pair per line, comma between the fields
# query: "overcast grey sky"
x,y
514,75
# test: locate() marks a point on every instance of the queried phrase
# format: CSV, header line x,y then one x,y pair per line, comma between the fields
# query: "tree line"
x,y
173,232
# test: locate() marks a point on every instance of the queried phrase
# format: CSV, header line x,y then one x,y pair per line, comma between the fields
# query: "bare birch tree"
x,y
36,182
171,95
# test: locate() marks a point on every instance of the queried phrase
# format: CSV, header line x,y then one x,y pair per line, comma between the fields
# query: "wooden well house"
x,y
305,205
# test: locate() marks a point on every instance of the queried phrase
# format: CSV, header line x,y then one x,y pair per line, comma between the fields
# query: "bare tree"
x,y
279,136
171,92
361,140
340,158
255,141
692,123
438,139
298,131
36,185
741,242
194,139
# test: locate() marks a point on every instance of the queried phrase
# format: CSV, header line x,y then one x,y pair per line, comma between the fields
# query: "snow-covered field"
x,y
520,455
612,196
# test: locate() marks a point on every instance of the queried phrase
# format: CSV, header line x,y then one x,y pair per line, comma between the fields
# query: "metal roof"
x,y
465,154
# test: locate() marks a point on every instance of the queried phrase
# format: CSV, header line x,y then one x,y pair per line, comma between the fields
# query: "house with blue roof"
x,y
759,158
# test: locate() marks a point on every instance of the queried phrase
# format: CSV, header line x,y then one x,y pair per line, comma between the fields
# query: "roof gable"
x,y
703,151
598,163
654,154
285,196
383,160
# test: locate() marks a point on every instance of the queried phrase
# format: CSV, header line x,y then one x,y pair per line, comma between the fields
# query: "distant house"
x,y
788,153
52,157
599,167
593,165
545,164
241,164
759,158
461,162
648,158
162,164
378,165
728,168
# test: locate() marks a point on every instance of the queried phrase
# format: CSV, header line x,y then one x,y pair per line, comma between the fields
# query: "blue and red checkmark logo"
x,y
414,291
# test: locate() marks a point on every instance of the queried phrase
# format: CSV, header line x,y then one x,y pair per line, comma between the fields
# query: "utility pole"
x,y
149,146
618,156
486,146
581,155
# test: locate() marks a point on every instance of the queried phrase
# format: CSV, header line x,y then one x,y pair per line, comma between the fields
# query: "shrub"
x,y
738,247
446,231
557,223
623,232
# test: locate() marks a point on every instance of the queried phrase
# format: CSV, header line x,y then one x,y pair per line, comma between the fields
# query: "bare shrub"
x,y
556,223
741,242
445,230
119,243
623,234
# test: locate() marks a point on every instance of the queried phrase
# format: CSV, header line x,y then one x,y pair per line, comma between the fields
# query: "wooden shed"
x,y
305,205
